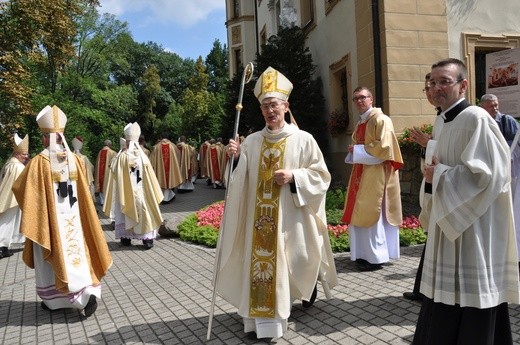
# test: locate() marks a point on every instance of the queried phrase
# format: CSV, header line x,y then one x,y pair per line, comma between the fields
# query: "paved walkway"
x,y
163,295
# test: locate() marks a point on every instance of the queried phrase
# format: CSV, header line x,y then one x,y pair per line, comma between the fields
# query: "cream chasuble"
x,y
274,242
377,181
165,163
137,191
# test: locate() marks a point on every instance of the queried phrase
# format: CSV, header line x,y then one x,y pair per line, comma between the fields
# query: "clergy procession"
x,y
87,229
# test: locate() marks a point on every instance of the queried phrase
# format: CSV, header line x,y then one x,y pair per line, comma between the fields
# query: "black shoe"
x,y
310,302
126,242
164,231
5,253
368,267
252,335
412,296
148,244
91,306
113,225
44,306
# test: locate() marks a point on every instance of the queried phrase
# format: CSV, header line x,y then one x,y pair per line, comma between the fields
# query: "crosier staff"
x,y
246,78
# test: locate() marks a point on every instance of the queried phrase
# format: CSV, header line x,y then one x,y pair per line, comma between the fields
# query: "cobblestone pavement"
x,y
163,296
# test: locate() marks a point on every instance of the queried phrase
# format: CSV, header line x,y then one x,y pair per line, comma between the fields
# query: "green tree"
x,y
151,88
202,113
35,45
217,68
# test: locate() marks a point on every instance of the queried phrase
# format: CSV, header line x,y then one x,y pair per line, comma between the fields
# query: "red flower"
x,y
211,215
338,230
410,222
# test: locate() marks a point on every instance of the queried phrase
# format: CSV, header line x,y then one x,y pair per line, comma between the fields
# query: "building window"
x,y
277,12
329,5
238,60
476,45
236,8
307,13
263,37
340,88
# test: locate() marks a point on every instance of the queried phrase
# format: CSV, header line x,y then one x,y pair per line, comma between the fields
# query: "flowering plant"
x,y
338,122
203,226
411,231
406,141
211,215
337,230
411,222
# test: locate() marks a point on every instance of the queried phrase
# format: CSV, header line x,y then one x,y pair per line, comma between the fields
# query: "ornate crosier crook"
x,y
246,78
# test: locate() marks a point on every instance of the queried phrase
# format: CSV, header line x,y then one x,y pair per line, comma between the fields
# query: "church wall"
x,y
414,34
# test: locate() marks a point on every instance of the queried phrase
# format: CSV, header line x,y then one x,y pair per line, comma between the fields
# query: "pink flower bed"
x,y
211,216
410,222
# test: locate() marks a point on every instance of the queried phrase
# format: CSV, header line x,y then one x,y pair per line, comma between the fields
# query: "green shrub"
x,y
191,232
410,237
335,199
334,216
339,244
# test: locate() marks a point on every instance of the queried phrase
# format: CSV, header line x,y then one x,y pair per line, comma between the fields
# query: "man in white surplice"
x,y
470,269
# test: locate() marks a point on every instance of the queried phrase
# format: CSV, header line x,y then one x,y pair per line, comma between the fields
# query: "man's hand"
x,y
429,169
419,137
233,148
283,176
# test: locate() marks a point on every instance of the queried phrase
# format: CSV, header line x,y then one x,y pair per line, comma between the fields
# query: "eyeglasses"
x,y
443,82
271,106
426,89
359,98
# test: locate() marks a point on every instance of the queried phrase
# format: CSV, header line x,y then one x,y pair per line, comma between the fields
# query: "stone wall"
x,y
411,177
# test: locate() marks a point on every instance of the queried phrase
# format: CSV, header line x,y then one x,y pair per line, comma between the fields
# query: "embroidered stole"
x,y
215,163
136,171
355,178
262,294
165,152
101,169
72,241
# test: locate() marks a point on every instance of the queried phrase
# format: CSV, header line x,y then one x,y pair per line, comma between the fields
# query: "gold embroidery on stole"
x,y
262,294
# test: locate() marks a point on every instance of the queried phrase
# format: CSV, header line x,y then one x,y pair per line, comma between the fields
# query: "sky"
x,y
185,27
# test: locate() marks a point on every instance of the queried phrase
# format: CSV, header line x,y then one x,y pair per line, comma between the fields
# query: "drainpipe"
x,y
377,54
256,28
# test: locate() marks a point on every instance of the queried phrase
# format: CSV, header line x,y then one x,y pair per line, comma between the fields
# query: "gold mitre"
x,y
272,83
51,120
21,145
122,143
132,131
77,143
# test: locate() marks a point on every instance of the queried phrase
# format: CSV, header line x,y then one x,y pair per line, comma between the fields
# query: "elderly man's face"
x,y
22,157
491,107
273,110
